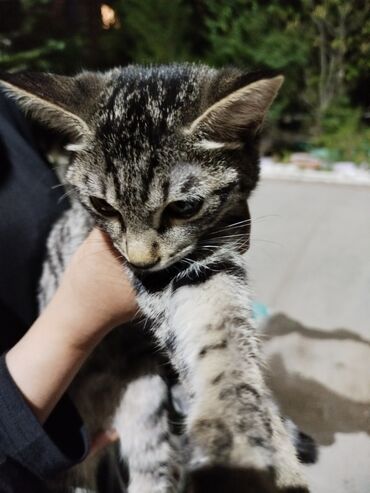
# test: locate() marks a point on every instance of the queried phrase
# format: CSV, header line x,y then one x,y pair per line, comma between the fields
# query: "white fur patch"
x,y
209,144
76,147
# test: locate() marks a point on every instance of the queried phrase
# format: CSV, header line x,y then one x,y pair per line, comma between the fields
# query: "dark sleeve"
x,y
29,204
45,450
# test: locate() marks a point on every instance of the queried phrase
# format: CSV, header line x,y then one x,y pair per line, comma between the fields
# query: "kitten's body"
x,y
157,143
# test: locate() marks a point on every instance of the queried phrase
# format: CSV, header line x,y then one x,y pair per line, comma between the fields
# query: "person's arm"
x,y
94,297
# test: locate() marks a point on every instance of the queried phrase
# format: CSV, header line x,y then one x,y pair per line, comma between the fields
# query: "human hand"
x,y
95,293
94,296
102,440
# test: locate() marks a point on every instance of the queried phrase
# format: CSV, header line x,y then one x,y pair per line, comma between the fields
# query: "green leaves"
x,y
321,46
156,30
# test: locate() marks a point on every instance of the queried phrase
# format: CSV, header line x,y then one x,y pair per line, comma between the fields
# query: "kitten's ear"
x,y
228,121
63,103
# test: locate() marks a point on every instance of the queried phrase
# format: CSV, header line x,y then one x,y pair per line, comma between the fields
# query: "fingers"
x,y
102,440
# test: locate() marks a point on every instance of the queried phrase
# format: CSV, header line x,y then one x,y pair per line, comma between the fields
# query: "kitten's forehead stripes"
x,y
147,103
136,122
154,163
189,184
165,190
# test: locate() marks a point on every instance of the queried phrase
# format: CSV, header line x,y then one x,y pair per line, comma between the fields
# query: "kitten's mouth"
x,y
138,268
163,264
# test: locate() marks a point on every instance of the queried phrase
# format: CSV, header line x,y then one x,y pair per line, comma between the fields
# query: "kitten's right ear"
x,y
60,102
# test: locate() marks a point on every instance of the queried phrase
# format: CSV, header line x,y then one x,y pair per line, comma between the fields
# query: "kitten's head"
x,y
164,157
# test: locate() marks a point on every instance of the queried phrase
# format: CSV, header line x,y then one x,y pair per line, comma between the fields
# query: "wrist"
x,y
73,324
46,359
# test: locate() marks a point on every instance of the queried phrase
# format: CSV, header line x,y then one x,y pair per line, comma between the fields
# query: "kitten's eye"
x,y
103,208
184,209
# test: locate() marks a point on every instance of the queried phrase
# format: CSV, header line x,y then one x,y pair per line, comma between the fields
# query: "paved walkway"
x,y
310,252
321,380
310,259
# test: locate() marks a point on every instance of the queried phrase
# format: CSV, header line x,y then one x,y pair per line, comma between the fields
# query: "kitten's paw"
x,y
213,441
220,479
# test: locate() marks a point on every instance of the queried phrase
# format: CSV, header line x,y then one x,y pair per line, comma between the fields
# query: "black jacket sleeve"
x,y
28,207
42,450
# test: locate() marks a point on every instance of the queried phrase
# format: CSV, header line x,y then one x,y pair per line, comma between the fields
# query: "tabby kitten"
x,y
164,160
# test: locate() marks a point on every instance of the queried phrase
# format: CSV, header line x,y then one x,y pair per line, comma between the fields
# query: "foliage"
x,y
38,43
248,32
321,46
343,133
156,30
336,28
261,35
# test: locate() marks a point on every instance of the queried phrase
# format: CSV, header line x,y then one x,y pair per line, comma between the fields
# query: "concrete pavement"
x,y
321,380
310,259
310,252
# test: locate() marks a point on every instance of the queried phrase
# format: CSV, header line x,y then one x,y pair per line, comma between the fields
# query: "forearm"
x,y
93,297
45,361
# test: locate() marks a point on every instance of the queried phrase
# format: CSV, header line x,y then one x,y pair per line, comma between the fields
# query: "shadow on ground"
x,y
322,381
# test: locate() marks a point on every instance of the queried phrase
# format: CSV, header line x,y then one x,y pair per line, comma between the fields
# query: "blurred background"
x,y
309,260
323,48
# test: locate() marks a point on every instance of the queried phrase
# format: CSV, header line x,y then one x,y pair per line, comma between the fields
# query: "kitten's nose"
x,y
140,255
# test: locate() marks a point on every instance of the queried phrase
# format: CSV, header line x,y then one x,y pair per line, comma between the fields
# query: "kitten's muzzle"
x,y
143,266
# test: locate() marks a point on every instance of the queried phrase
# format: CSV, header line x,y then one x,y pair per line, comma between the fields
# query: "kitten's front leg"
x,y
216,352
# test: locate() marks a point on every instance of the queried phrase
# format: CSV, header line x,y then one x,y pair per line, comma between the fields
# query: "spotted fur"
x,y
143,138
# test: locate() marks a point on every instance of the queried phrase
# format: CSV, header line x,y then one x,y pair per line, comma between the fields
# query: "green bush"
x,y
299,38
343,133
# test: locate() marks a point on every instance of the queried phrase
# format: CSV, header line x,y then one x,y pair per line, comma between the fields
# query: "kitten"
x,y
164,160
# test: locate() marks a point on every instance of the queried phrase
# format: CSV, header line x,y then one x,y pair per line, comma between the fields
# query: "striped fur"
x,y
152,137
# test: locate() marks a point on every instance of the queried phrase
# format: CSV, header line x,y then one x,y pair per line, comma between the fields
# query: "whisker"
x,y
65,195
58,186
211,247
266,216
186,261
235,235
232,226
244,222
267,241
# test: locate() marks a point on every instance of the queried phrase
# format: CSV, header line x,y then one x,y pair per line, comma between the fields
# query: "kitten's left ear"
x,y
63,103
229,121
